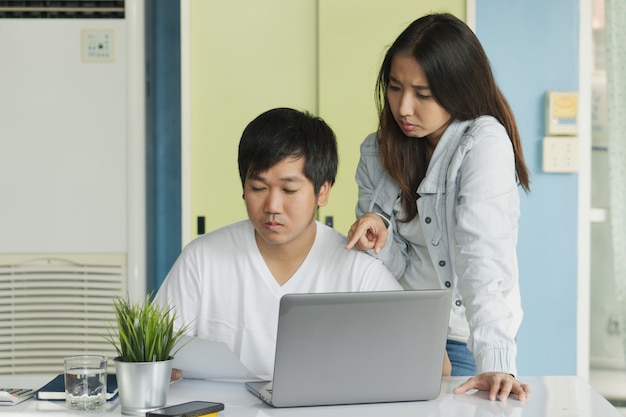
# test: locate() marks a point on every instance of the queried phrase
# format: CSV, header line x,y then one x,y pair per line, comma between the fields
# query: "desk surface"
x,y
559,396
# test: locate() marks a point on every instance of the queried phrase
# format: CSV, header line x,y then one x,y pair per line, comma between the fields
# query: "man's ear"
x,y
322,197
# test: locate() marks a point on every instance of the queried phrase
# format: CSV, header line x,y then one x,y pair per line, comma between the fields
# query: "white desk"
x,y
550,397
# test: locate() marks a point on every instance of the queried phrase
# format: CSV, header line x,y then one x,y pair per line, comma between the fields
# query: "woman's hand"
x,y
368,232
499,385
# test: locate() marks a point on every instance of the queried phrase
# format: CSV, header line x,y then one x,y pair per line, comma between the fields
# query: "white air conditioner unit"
x,y
72,152
53,307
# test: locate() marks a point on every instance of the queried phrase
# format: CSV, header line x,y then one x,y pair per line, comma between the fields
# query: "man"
x,y
227,284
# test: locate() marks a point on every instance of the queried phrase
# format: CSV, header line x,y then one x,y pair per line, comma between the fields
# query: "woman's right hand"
x,y
368,232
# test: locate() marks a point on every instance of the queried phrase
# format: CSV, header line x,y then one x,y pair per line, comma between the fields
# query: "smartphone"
x,y
190,409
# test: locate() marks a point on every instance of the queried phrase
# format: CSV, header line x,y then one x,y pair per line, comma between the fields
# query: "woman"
x,y
438,193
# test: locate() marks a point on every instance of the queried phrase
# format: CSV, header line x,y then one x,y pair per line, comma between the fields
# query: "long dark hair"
x,y
460,80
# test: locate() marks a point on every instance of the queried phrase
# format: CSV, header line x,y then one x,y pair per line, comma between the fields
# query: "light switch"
x,y
560,154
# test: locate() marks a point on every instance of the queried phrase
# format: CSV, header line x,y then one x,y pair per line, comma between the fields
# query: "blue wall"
x,y
163,125
533,48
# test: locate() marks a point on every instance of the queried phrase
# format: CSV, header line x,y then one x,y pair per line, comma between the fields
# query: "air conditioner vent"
x,y
62,9
55,306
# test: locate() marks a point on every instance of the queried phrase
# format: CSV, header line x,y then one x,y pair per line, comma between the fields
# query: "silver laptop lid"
x,y
349,348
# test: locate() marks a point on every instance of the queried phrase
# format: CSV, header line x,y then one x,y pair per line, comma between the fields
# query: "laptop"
x,y
357,348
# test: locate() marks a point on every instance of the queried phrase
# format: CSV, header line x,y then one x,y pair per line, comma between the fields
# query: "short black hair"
x,y
282,133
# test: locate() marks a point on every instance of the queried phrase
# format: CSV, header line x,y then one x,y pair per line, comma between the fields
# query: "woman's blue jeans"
x,y
461,358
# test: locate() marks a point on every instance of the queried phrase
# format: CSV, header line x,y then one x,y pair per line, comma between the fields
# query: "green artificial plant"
x,y
145,331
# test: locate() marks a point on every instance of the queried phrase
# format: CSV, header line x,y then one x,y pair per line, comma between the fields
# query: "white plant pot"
x,y
143,386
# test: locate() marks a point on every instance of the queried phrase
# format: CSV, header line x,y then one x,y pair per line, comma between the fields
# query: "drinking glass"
x,y
85,381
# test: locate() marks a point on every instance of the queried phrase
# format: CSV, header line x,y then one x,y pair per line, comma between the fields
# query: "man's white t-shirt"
x,y
222,286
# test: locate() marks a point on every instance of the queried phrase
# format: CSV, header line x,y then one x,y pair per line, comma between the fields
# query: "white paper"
x,y
204,359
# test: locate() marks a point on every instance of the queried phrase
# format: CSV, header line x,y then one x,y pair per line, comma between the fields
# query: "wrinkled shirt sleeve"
x,y
378,193
485,240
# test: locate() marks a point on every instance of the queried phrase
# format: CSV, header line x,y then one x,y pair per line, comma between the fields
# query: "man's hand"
x,y
499,385
447,366
368,232
177,375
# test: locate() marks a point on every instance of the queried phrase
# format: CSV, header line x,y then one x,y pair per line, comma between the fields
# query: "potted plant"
x,y
145,339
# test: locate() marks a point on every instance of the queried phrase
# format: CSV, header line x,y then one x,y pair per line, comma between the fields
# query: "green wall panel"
x,y
248,56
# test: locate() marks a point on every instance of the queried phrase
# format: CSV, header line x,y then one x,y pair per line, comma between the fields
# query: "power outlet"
x,y
98,45
560,154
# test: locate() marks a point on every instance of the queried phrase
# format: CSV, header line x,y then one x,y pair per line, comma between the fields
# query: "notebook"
x,y
356,348
55,388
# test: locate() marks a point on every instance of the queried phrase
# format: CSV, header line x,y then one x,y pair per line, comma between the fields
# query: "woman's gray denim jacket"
x,y
469,211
